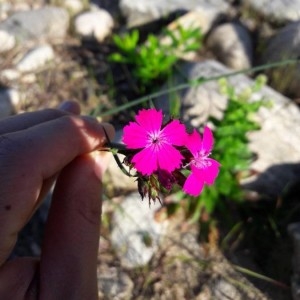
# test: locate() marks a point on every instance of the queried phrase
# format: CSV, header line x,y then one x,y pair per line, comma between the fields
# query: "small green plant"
x,y
153,60
231,149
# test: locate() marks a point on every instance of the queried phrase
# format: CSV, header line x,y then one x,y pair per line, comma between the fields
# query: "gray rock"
x,y
284,45
48,23
116,181
36,58
7,41
276,143
277,10
9,98
73,6
94,24
201,18
5,8
10,74
136,234
232,45
144,11
114,284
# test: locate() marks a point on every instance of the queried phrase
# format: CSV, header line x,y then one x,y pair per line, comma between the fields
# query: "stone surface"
x,y
47,23
277,10
5,8
276,143
94,24
201,18
285,44
9,74
116,180
144,11
35,59
232,45
73,6
7,41
136,235
114,284
9,98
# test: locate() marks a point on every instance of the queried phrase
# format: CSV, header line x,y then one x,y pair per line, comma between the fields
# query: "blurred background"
x,y
231,65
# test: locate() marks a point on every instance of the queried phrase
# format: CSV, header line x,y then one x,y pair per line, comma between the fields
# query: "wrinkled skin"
x,y
35,150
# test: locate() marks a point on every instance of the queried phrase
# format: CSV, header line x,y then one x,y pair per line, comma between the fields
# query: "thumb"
x,y
69,252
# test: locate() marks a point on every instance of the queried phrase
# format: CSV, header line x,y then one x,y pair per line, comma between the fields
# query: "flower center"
x,y
200,160
156,139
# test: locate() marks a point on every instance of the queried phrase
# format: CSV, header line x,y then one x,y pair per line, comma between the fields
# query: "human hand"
x,y
36,149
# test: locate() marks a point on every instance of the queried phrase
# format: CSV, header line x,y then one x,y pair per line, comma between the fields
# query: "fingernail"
x,y
109,129
70,106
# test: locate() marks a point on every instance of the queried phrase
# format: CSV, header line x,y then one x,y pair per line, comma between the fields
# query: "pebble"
x,y
7,41
9,98
74,6
232,45
36,58
136,234
46,23
94,24
282,11
144,11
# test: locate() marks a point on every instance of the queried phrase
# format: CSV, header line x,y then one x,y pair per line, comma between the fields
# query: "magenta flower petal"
x,y
194,142
211,172
169,158
158,143
208,140
207,174
193,186
150,119
134,136
145,161
204,170
175,133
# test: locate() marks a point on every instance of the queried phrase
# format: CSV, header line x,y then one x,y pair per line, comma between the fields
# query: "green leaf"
x,y
117,57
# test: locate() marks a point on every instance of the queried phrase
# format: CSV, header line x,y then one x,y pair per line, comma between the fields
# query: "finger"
x,y
18,279
26,120
69,252
46,186
70,106
29,157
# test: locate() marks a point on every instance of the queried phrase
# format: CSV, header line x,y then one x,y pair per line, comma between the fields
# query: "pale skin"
x,y
35,150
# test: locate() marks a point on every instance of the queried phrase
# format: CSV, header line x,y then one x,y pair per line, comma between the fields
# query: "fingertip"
x,y
70,107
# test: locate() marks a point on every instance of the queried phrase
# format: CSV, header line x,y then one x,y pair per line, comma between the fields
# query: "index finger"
x,y
29,119
30,156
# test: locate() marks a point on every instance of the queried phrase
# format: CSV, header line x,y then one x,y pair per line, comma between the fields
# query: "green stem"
x,y
196,82
115,154
260,276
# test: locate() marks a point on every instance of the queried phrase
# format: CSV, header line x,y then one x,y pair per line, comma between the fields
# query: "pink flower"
x,y
204,170
155,141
